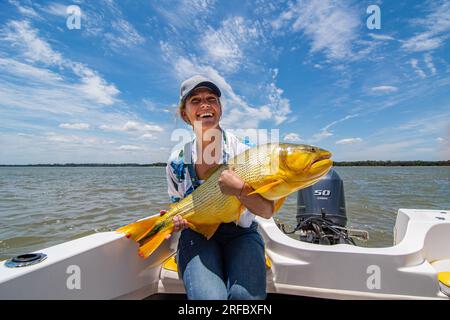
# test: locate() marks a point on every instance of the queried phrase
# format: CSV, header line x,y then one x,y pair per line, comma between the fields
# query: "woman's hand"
x,y
179,223
230,183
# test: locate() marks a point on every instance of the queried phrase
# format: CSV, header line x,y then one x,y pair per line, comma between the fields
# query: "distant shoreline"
x,y
367,163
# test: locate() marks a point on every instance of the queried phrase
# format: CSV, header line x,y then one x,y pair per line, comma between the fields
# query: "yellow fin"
x,y
444,277
268,263
207,230
278,204
171,264
267,187
153,243
139,229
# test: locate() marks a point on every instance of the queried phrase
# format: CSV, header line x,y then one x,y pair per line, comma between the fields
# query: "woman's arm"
x,y
232,185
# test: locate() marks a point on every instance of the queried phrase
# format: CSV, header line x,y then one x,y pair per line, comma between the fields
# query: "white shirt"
x,y
179,180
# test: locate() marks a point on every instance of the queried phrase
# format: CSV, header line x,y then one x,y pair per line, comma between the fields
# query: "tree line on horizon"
x,y
369,163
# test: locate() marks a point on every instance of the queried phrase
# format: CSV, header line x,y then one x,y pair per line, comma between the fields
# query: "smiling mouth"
x,y
205,115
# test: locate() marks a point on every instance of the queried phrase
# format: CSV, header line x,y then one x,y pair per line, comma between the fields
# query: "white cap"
x,y
195,82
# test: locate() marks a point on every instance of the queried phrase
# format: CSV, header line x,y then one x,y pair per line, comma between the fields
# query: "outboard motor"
x,y
321,214
324,198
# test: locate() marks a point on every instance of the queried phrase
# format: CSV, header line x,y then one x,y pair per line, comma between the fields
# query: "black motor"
x,y
321,214
325,197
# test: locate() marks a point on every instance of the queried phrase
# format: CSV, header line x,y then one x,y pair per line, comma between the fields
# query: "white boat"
x,y
106,266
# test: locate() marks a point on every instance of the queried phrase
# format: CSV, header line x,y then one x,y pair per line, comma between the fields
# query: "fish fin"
x,y
139,229
153,243
207,230
278,204
266,187
268,263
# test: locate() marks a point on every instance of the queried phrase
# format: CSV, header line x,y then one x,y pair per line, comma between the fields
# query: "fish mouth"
x,y
322,157
321,163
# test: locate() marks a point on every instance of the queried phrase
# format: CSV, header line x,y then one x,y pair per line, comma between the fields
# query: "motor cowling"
x,y
325,199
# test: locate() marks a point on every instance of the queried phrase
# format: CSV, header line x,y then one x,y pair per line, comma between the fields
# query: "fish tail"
x,y
153,243
139,229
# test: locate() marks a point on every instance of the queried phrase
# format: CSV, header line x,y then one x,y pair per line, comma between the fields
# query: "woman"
x,y
230,265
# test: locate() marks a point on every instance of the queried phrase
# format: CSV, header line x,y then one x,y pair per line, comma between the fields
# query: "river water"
x,y
42,206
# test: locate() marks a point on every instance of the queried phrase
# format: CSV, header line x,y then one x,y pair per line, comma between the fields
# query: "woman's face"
x,y
203,106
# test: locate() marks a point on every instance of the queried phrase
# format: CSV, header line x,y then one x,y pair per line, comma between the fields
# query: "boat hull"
x,y
106,266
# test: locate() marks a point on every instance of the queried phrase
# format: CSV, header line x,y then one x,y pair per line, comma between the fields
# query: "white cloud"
x,y
381,37
349,141
427,124
62,138
35,49
292,137
237,112
436,25
38,94
25,10
384,89
147,136
414,63
33,74
20,34
279,107
441,140
73,140
120,33
321,135
350,116
194,13
130,148
429,62
56,9
423,42
225,46
331,26
150,105
102,20
123,35
132,126
325,131
94,86
75,126
154,107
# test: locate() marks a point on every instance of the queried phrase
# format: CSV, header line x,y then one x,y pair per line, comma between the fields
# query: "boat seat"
x,y
442,268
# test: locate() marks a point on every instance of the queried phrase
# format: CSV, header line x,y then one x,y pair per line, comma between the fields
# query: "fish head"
x,y
303,165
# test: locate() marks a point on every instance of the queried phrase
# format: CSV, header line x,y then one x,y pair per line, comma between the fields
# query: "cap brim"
x,y
206,84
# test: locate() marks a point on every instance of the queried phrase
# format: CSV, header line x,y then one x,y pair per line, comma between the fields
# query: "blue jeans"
x,y
230,265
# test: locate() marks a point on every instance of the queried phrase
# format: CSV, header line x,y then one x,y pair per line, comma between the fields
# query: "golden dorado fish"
x,y
273,170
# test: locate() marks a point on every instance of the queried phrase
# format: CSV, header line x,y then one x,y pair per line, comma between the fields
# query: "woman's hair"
x,y
181,107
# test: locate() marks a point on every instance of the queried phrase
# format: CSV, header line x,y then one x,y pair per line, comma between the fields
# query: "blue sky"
x,y
107,92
